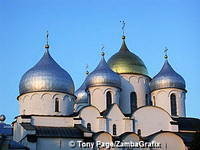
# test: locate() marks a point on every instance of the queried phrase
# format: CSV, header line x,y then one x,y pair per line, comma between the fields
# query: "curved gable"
x,y
151,119
169,140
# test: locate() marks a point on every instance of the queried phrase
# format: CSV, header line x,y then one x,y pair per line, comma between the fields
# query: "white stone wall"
x,y
52,121
116,117
161,98
43,103
102,123
18,131
90,114
98,96
99,123
56,144
150,119
133,83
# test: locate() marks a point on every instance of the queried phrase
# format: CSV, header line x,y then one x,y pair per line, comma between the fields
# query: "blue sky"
x,y
78,28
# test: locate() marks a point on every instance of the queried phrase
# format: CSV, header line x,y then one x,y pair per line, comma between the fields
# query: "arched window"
x,y
89,126
173,104
114,129
56,105
133,101
108,99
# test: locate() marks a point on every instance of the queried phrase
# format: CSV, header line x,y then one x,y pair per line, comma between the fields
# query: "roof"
x,y
191,124
5,129
46,76
63,132
103,76
167,78
124,61
16,145
29,116
187,137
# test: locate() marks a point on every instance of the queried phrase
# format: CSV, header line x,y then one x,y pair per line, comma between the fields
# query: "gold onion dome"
x,y
125,61
46,75
103,75
167,78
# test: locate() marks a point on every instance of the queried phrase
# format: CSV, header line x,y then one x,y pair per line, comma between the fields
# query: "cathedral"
x,y
118,106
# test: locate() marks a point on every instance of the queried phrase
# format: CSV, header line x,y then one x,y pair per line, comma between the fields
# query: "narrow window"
x,y
56,105
89,126
173,104
89,97
133,101
108,99
133,125
139,132
146,99
114,129
154,100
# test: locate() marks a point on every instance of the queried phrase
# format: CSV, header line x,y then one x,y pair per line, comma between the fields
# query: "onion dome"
x,y
81,94
124,61
167,78
103,75
46,75
2,118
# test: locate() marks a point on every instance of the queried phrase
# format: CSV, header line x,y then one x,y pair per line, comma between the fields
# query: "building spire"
x,y
165,51
47,41
123,32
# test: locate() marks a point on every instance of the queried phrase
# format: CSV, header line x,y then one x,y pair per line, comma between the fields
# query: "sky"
x,y
77,30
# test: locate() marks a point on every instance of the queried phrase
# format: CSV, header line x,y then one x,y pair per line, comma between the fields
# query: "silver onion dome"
x,y
167,78
2,118
103,75
81,94
46,75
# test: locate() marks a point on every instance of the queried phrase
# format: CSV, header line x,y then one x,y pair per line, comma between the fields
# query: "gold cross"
x,y
47,38
102,52
86,68
123,26
165,51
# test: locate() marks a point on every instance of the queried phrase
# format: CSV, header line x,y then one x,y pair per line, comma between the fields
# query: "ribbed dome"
x,y
46,75
81,94
125,61
103,75
167,78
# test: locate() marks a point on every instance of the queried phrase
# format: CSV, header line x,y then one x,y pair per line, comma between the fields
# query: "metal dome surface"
x,y
167,78
46,75
125,61
103,75
81,94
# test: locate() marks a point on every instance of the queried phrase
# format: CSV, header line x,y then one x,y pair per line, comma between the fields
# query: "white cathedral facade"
x,y
118,101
